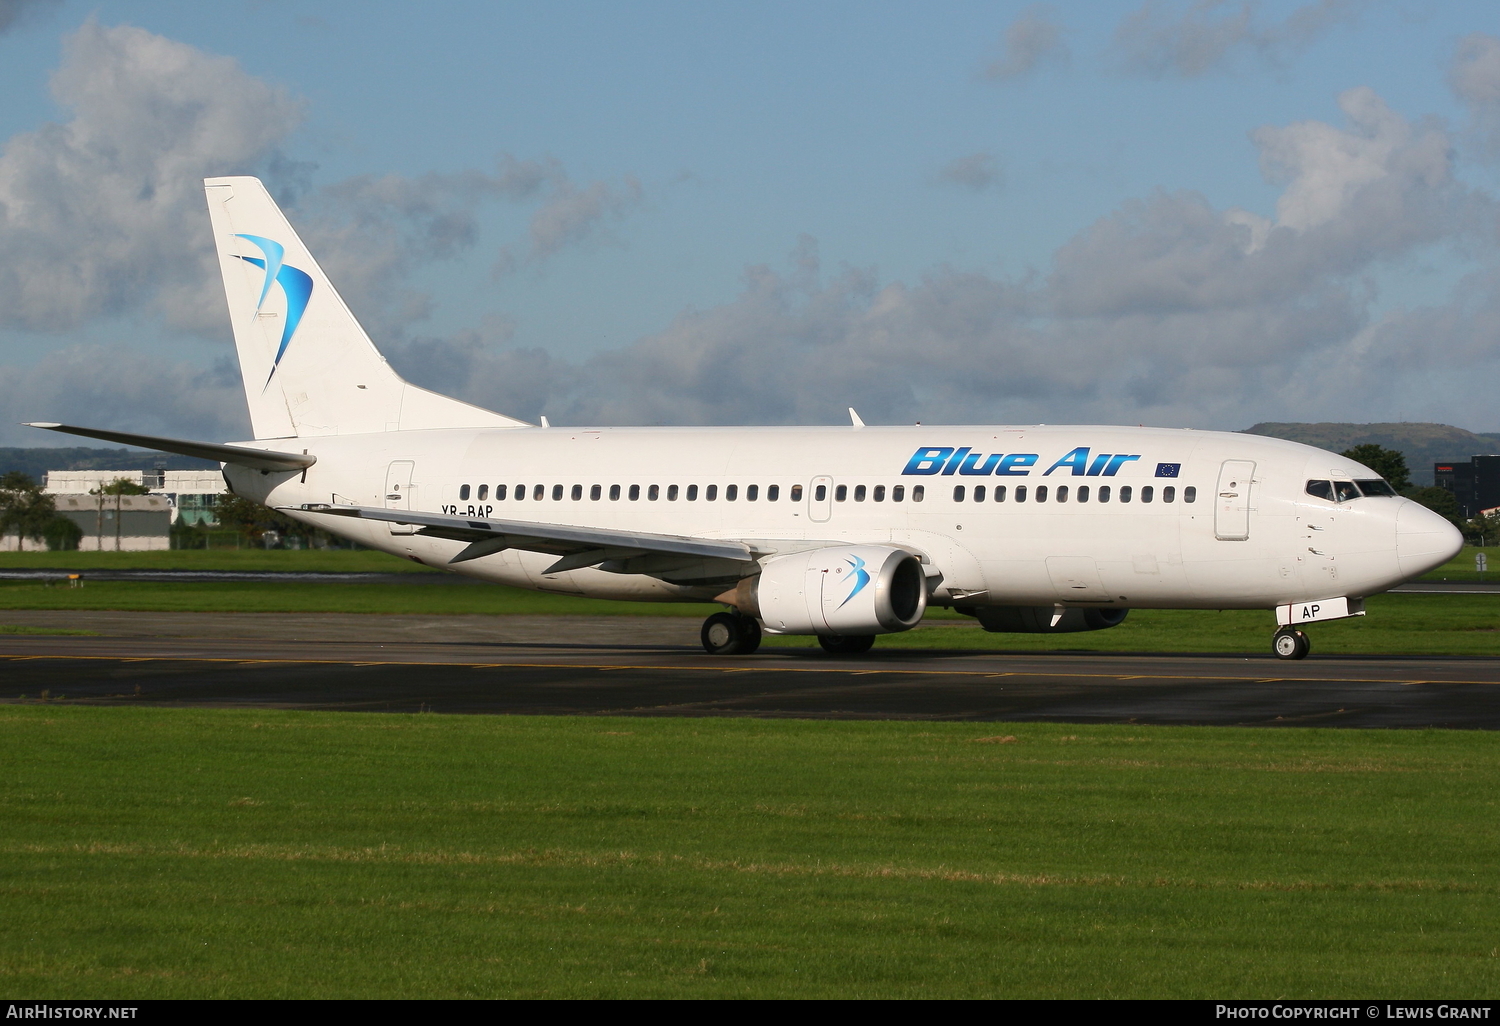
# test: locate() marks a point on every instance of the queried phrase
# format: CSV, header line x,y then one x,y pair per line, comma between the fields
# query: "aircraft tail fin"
x,y
308,367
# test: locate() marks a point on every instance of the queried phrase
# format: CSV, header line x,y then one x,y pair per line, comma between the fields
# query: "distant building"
x,y
125,523
1475,483
191,493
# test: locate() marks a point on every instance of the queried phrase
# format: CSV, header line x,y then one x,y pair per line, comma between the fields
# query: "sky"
x,y
1201,214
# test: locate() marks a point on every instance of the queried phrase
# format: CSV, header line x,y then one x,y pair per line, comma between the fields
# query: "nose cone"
x,y
1424,539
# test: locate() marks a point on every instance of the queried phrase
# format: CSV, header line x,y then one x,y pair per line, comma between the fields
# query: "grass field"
x,y
200,853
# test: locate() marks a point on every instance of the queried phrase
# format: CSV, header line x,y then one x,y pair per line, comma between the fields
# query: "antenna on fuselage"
x,y
854,418
544,422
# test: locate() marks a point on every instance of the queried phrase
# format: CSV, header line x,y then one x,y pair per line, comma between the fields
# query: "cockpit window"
x,y
1376,487
1345,491
1321,489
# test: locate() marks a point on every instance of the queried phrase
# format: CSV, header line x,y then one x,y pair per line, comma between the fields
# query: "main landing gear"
x,y
1290,643
730,634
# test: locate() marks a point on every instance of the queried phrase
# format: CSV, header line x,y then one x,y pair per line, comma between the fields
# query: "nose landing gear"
x,y
730,634
1290,643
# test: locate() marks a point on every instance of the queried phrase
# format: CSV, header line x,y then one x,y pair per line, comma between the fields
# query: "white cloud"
x,y
1167,311
1030,41
1206,35
1475,77
15,12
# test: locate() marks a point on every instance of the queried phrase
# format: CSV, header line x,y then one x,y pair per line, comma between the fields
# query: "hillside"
x,y
37,462
1423,444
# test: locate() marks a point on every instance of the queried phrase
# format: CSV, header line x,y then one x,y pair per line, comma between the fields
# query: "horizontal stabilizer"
x,y
256,459
584,543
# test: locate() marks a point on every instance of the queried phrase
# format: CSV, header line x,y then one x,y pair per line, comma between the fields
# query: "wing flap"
x,y
578,546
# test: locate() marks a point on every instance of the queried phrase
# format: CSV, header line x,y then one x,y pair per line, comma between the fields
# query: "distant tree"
x,y
121,486
253,520
1388,463
25,509
1483,529
1440,501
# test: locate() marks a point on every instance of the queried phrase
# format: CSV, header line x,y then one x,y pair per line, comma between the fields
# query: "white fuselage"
x,y
1213,519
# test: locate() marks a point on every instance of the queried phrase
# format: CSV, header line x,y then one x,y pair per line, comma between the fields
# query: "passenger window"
x,y
752,492
653,493
711,493
539,492
484,492
918,493
692,493
1104,493
841,493
773,492
1169,494
1062,493
999,493
1147,493
499,493
796,493
1345,491
1320,489
1041,493
1083,493
1124,493
1020,493
635,493
463,493
594,493
671,493
577,492
520,492
898,493
859,493
557,491
979,493
958,493
1190,494
879,495
614,493
731,492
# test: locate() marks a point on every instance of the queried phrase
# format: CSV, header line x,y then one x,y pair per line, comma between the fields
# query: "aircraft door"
x,y
820,500
398,491
1232,500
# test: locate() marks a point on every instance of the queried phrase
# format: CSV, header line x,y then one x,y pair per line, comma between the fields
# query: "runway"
x,y
651,666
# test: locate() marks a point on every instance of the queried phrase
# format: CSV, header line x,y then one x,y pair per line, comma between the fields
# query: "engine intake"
x,y
843,589
1038,619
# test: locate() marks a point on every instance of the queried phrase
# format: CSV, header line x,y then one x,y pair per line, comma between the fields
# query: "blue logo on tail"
x,y
296,284
861,578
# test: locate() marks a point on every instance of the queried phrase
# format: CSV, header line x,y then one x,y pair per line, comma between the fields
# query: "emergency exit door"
x,y
398,491
1232,500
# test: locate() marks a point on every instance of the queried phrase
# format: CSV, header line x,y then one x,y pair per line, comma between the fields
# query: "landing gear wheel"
x,y
728,634
846,644
1290,644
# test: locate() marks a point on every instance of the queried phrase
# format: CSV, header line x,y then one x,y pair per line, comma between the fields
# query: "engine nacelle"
x,y
1038,619
842,589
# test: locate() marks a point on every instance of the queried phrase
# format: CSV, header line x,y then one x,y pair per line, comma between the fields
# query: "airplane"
x,y
844,533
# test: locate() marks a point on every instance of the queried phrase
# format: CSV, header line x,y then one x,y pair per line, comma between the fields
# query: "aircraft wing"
x,y
256,459
578,546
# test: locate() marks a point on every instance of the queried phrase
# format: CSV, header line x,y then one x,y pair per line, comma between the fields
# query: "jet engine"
x,y
1039,619
843,589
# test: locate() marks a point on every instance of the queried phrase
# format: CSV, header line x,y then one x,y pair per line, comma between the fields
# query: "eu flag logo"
x,y
1168,469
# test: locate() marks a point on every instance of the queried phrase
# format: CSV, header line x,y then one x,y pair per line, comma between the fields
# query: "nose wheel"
x,y
729,634
1290,643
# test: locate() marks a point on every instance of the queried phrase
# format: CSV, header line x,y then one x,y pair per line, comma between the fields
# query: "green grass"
x,y
10,628
252,560
1395,624
1461,567
203,853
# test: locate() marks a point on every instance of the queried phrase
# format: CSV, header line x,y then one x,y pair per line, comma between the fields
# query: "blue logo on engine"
x,y
861,578
296,285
